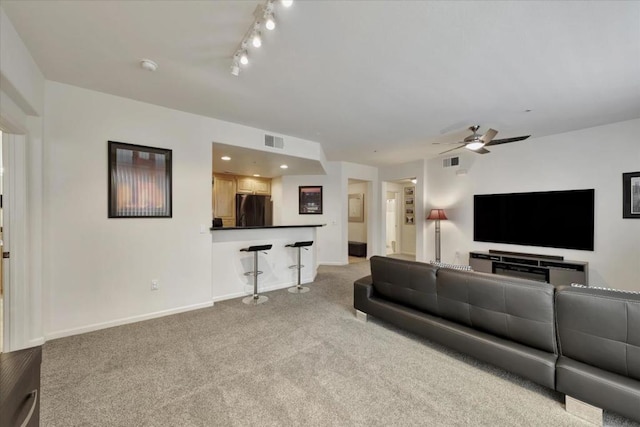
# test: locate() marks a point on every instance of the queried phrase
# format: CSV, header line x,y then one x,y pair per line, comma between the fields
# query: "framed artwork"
x,y
356,207
139,181
310,200
631,195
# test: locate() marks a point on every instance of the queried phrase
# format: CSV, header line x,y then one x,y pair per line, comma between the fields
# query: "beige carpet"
x,y
296,360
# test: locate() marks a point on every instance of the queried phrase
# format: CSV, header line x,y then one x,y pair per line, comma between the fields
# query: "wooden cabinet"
x,y
225,188
224,193
248,185
20,385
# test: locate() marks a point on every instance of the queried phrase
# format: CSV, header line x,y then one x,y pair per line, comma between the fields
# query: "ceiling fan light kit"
x,y
477,143
264,15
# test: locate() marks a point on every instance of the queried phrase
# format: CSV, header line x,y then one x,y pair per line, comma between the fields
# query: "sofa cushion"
x,y
600,328
406,282
518,309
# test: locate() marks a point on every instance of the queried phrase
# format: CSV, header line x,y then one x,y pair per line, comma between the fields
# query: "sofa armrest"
x,y
362,291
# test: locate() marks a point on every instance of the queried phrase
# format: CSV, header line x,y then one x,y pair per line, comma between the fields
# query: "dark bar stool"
x,y
300,245
255,299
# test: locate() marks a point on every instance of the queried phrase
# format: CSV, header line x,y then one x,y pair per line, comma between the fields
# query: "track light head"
x,y
244,58
269,22
256,39
235,69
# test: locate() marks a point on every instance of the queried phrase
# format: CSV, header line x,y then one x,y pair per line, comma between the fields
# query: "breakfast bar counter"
x,y
230,265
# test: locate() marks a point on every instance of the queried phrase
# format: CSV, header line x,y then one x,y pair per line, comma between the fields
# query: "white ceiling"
x,y
375,82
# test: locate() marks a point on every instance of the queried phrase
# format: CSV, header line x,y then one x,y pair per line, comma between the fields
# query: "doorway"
x,y
2,269
400,228
358,220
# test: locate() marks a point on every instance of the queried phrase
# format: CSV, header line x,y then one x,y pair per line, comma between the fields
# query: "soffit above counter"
x,y
247,162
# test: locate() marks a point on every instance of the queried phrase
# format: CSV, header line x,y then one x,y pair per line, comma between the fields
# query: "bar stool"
x,y
255,299
300,245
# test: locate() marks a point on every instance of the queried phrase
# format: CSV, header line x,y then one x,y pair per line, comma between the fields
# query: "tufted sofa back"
x,y
517,309
406,282
600,328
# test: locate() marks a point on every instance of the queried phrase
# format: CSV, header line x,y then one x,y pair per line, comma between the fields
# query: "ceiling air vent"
x,y
450,162
273,141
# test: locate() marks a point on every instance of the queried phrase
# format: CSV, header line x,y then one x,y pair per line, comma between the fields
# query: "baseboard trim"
x,y
124,321
335,263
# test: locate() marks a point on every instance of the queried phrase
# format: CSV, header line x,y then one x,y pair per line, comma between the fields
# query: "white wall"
x,y
589,158
98,270
330,238
357,231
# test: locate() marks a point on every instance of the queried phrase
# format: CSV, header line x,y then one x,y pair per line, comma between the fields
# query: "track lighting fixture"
x,y
264,15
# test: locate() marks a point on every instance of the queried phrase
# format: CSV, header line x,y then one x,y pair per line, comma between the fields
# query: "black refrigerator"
x,y
252,210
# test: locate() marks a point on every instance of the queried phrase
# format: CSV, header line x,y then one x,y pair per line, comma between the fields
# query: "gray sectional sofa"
x,y
593,355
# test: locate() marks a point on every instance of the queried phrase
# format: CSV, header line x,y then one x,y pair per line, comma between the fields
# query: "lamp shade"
x,y
437,214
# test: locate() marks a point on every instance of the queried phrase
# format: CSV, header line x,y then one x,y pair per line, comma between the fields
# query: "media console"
x,y
544,268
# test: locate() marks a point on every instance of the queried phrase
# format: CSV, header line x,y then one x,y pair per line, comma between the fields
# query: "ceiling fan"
x,y
477,143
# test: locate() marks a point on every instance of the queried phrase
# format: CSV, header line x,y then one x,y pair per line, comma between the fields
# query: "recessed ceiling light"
x,y
287,3
256,174
283,166
225,158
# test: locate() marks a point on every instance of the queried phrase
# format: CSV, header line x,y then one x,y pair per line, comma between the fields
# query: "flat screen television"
x,y
555,219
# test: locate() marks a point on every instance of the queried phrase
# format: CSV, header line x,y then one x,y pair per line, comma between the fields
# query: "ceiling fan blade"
x,y
506,140
460,146
488,135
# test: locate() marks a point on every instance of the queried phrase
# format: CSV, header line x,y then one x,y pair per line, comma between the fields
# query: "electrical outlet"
x,y
154,285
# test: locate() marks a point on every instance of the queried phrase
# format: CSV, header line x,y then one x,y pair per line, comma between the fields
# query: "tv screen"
x,y
555,219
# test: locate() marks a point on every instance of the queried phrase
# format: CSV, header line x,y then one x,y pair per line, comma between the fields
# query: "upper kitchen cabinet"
x,y
249,185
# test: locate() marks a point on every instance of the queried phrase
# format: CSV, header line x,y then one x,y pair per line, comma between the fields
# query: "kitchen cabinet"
x,y
224,193
249,185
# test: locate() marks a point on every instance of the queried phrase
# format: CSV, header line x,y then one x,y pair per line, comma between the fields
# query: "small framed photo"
x,y
310,200
408,219
139,181
631,195
408,211
356,207
408,191
408,201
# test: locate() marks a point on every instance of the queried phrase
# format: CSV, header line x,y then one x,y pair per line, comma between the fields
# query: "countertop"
x,y
255,227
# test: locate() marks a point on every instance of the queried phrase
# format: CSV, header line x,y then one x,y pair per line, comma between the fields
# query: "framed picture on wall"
x,y
356,207
139,181
631,195
310,200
